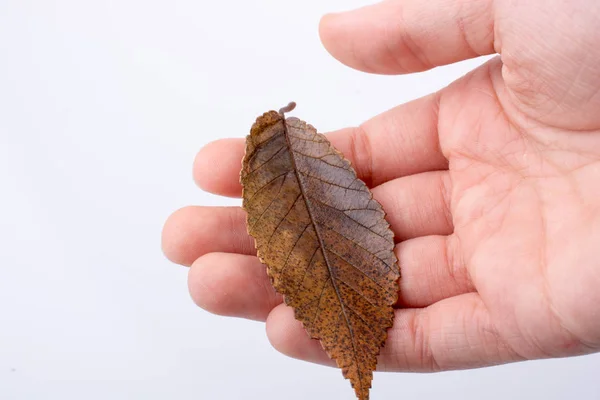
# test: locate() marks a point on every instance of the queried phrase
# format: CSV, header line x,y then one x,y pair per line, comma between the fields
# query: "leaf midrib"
x,y
321,245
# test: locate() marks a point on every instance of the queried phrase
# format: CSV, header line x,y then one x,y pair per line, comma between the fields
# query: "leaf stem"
x,y
290,107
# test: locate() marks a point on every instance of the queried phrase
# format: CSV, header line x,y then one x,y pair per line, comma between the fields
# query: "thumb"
x,y
403,36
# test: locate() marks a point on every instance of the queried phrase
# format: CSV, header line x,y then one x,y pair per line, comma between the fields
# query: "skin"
x,y
491,185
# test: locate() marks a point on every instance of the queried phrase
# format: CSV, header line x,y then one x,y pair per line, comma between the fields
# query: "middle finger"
x,y
416,205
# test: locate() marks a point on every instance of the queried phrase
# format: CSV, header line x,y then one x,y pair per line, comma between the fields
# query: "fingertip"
x,y
193,231
405,36
356,37
278,327
217,167
334,37
175,236
232,285
324,29
206,284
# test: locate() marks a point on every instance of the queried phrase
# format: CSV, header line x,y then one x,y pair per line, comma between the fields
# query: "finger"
x,y
237,285
194,231
417,205
233,285
432,270
455,333
399,142
217,167
402,36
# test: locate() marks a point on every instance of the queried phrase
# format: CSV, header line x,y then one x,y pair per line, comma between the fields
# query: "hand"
x,y
491,185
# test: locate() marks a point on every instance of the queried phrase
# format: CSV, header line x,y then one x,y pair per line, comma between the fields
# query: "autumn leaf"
x,y
324,239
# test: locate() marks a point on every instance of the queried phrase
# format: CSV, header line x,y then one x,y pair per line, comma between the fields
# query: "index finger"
x,y
399,142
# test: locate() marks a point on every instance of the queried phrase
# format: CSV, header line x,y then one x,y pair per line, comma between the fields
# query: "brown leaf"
x,y
324,239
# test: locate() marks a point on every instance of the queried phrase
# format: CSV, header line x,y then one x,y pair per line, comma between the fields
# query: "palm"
x,y
490,186
522,209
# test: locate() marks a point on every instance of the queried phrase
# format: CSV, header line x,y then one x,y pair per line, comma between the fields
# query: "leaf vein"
x,y
267,161
285,264
305,139
271,202
330,183
265,185
356,268
319,299
370,229
282,219
309,266
269,140
321,159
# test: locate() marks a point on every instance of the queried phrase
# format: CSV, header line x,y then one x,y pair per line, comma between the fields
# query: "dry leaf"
x,y
324,239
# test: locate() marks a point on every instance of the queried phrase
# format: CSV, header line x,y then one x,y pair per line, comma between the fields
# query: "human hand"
x,y
491,186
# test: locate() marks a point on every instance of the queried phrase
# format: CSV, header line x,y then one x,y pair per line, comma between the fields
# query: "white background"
x,y
103,105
